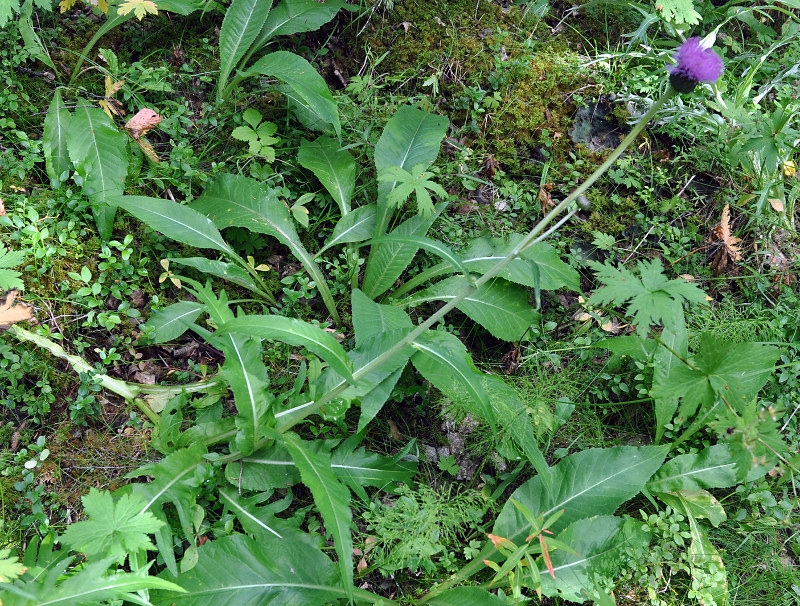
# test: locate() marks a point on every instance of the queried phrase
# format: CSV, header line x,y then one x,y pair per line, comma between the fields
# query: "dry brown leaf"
x,y
394,430
776,204
143,122
545,198
2,208
688,277
10,313
724,250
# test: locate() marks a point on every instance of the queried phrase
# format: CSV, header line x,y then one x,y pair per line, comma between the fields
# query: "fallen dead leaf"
x,y
143,122
10,313
724,249
776,204
545,198
395,431
688,277
2,208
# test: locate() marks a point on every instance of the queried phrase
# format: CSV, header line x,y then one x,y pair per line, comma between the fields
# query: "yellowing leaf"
x,y
789,169
139,7
10,313
66,5
111,106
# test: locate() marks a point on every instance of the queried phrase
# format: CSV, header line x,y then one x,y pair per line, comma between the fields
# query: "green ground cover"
x,y
307,303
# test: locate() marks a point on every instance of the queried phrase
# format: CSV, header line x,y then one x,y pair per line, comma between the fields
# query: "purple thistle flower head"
x,y
695,64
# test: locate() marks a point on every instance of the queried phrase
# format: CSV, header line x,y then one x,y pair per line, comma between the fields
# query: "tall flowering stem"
x,y
288,418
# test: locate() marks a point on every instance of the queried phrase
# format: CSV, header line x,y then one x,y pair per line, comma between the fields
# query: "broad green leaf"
x,y
54,138
634,346
357,468
295,16
467,596
599,542
221,269
114,529
99,153
176,221
675,338
294,332
264,469
171,322
652,298
89,585
411,137
429,244
701,504
709,468
371,319
331,498
387,261
258,519
372,402
234,200
239,571
499,306
443,360
243,21
304,85
705,556
356,226
245,372
588,483
335,168
733,371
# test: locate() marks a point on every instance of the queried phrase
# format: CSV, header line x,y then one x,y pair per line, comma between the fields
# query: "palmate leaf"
x,y
239,571
331,498
416,181
10,566
651,298
113,529
9,278
733,371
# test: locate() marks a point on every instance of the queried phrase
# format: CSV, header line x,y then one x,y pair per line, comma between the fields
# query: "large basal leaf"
x,y
710,468
358,468
265,469
599,543
172,321
429,244
239,571
245,372
411,137
443,360
733,371
295,16
588,483
331,498
387,261
54,138
243,21
675,338
371,319
176,221
294,332
499,306
355,226
467,596
335,168
304,85
258,519
99,153
372,402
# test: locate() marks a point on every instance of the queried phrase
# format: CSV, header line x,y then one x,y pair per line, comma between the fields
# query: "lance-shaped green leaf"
x,y
710,468
265,469
54,138
295,16
357,468
335,168
701,504
294,332
675,340
733,371
588,483
258,519
234,200
331,498
244,20
410,138
172,321
373,401
429,244
705,556
387,261
237,571
499,306
355,226
89,585
99,153
599,542
371,319
176,221
245,372
304,85
443,360
467,596
221,269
